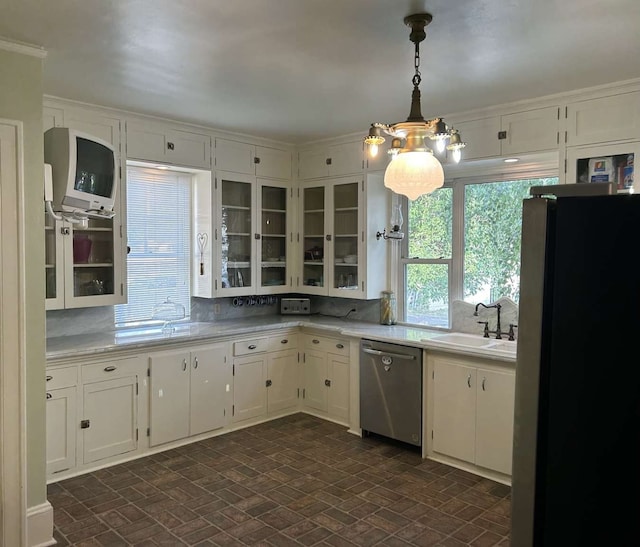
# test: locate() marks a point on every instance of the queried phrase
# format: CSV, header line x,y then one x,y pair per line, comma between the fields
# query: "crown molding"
x,y
25,49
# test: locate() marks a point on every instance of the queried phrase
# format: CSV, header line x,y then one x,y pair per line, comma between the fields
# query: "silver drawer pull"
x,y
195,363
469,380
394,355
110,368
49,396
252,346
49,378
184,365
340,346
315,341
284,341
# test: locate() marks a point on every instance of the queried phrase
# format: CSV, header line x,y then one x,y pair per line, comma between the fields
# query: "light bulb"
x,y
373,150
457,154
440,145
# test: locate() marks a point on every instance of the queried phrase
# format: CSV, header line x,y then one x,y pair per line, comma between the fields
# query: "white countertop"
x,y
146,338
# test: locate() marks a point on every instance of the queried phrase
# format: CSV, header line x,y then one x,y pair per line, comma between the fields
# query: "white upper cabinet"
x,y
261,161
331,161
530,131
481,137
155,142
604,119
533,130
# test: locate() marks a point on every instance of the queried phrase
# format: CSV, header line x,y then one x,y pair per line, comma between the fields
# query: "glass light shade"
x,y
457,154
413,174
373,150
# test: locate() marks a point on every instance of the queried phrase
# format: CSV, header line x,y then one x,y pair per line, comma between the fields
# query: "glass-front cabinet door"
x,y
613,163
82,265
314,236
274,229
236,234
54,263
346,235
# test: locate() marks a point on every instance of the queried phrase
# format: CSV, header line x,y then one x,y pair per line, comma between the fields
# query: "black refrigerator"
x,y
576,450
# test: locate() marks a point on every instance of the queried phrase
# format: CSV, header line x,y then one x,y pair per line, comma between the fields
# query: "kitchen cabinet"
x,y
340,254
261,161
92,412
331,161
471,412
83,266
188,392
326,376
603,119
604,163
253,235
265,376
534,130
61,410
86,267
149,141
109,410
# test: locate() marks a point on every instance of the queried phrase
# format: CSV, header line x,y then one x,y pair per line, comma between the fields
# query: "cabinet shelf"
x,y
237,234
93,229
346,235
94,265
274,235
274,264
238,264
281,211
313,236
345,209
315,263
236,207
345,264
313,211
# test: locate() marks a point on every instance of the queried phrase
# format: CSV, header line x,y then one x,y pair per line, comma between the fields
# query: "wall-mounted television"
x,y
83,169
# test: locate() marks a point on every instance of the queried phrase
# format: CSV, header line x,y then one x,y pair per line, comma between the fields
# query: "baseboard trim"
x,y
40,525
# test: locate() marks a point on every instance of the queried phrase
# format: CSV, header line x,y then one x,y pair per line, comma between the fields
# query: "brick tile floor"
x,y
298,481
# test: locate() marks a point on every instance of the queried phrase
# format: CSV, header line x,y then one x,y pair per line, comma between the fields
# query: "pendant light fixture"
x,y
414,170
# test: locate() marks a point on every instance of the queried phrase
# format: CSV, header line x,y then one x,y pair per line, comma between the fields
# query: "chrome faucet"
x,y
498,331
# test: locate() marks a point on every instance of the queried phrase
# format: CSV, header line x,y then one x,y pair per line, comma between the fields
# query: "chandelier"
x,y
414,170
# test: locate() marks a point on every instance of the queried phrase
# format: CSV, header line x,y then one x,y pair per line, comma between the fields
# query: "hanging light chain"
x,y
416,64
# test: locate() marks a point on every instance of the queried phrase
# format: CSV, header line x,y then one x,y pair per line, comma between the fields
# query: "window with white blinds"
x,y
159,238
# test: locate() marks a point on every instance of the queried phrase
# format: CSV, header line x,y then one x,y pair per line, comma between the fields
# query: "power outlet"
x,y
295,306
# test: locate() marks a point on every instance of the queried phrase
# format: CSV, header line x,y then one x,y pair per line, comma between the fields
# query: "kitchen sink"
x,y
462,340
474,341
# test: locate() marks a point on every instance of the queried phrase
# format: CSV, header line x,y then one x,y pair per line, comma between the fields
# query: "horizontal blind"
x,y
159,238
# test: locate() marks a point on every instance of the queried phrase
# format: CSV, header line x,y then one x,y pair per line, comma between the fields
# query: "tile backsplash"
x,y
91,320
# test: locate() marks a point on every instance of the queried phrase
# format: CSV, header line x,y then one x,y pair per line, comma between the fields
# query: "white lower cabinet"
x,y
62,401
188,392
470,412
265,377
326,376
92,412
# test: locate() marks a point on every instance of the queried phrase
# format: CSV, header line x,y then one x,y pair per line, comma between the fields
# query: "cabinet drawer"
x,y
247,347
282,342
61,377
110,369
337,346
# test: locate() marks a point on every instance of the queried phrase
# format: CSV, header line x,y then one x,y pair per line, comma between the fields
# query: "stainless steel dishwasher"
x,y
391,391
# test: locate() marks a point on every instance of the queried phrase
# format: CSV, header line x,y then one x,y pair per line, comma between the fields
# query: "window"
x,y
463,243
159,236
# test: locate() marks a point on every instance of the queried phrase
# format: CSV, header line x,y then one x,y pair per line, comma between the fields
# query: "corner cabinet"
x,y
470,414
253,235
331,161
265,377
339,252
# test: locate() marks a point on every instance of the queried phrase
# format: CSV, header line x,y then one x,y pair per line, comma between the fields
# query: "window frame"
x,y
483,174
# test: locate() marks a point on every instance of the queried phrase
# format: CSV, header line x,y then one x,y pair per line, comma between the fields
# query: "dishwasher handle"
x,y
393,355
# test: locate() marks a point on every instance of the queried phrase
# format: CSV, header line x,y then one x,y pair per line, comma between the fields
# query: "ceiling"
x,y
300,70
